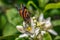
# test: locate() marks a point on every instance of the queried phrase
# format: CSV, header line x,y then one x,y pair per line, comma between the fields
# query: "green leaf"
x,y
25,38
3,21
56,26
51,6
47,37
57,38
42,3
30,7
54,11
31,2
10,37
9,30
1,3
13,16
19,39
56,22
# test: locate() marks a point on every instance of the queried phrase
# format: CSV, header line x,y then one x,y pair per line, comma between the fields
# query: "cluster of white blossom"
x,y
39,26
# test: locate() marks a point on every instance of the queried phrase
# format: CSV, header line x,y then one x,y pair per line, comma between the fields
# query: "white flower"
x,y
32,22
36,28
23,35
37,31
32,36
52,32
20,29
47,26
31,31
41,19
23,24
48,22
43,32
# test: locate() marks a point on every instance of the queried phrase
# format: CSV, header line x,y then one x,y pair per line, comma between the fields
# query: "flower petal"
x,y
52,32
37,31
41,23
23,24
32,23
43,32
32,36
20,29
41,18
23,35
48,22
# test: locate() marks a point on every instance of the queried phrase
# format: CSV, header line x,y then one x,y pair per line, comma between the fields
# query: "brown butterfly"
x,y
25,14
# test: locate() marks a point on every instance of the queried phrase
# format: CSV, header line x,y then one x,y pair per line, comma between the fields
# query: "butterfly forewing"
x,y
25,14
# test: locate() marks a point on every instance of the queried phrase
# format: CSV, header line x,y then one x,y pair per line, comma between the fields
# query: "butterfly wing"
x,y
25,14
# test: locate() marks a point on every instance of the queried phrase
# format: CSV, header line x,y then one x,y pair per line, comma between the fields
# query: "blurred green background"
x,y
10,18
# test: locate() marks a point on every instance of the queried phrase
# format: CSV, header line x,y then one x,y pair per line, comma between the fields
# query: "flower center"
x,y
29,29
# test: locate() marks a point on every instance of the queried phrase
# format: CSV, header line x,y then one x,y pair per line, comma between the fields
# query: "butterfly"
x,y
24,13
